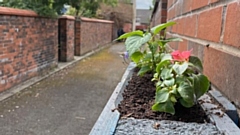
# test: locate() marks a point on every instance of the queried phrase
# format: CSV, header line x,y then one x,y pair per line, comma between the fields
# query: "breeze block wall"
x,y
211,28
93,33
28,46
66,38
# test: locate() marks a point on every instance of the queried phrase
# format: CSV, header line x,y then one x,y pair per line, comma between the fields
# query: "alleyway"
x,y
67,103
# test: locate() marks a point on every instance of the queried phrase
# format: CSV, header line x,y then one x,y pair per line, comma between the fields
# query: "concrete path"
x,y
68,102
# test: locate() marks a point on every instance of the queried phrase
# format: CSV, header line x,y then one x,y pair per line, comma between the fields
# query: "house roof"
x,y
144,15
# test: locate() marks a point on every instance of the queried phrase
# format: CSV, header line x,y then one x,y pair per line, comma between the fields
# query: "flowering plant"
x,y
178,79
177,74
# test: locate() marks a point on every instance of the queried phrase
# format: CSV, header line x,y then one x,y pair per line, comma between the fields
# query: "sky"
x,y
143,4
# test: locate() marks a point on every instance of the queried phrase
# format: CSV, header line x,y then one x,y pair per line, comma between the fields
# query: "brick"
x,y
30,41
179,26
232,31
171,13
209,24
91,41
187,4
95,20
20,12
170,3
199,3
213,1
197,49
163,20
190,26
67,40
223,70
163,13
178,8
183,46
173,45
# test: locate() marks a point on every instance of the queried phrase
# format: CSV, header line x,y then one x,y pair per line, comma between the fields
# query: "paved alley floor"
x,y
68,102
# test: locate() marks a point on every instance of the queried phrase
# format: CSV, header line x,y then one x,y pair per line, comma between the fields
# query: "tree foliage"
x,y
42,7
53,8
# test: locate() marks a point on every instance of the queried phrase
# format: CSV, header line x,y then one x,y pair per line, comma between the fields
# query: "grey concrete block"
x,y
219,118
108,119
231,110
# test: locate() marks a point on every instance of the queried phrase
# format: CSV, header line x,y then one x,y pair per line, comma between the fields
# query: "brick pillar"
x,y
66,38
77,37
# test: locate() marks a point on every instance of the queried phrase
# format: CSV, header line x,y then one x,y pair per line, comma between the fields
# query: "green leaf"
x,y
201,85
162,95
169,82
166,56
159,83
167,107
157,57
180,79
134,43
144,70
180,68
147,56
166,74
174,90
161,65
155,30
137,56
196,62
185,103
134,33
186,92
153,47
173,99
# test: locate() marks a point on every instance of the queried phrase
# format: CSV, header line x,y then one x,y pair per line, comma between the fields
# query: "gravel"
x,y
133,126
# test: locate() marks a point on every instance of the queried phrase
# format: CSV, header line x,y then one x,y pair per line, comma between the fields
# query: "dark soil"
x,y
139,98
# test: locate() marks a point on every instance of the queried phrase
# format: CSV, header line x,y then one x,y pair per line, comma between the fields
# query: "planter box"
x,y
108,120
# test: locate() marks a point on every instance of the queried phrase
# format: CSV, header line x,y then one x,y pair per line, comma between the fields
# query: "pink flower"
x,y
181,56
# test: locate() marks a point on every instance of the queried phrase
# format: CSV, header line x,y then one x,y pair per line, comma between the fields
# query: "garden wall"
x,y
28,45
91,34
66,27
211,28
159,13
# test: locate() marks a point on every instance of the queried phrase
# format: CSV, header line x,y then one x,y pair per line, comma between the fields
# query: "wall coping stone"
x,y
95,20
18,12
68,17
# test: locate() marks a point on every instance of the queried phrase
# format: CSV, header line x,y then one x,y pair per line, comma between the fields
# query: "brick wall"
x,y
215,23
93,33
66,38
159,13
28,45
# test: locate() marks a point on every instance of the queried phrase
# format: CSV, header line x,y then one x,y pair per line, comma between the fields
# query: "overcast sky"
x,y
143,4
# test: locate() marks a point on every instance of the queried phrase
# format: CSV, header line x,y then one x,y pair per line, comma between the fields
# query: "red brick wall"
x,y
93,34
66,38
160,15
216,23
77,48
28,45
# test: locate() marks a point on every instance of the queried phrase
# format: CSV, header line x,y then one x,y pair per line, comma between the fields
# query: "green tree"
x,y
53,8
42,7
86,8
